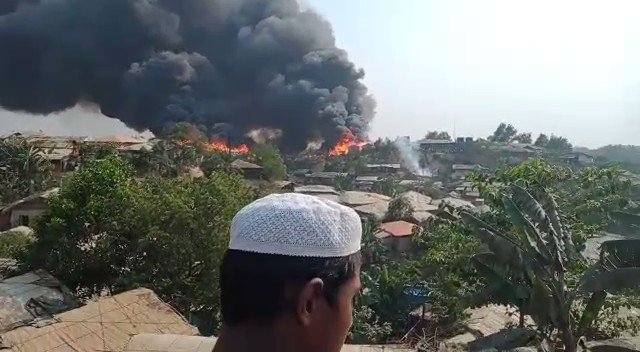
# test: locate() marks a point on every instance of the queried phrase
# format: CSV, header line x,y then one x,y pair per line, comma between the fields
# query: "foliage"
x,y
216,160
367,327
24,170
386,186
107,230
344,183
542,140
523,138
444,266
619,153
585,196
503,134
559,144
14,244
268,156
399,209
438,135
168,158
528,267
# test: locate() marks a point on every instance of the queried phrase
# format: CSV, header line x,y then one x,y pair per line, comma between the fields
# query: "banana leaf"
x,y
598,278
551,207
503,285
504,248
543,306
534,238
532,208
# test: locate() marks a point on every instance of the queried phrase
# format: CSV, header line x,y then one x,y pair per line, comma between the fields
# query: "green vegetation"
x,y
530,268
269,158
15,243
107,230
24,170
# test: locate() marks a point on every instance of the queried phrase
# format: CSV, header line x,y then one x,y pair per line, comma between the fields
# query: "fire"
x,y
344,145
223,146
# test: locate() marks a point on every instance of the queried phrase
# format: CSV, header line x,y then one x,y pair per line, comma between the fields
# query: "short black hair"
x,y
254,286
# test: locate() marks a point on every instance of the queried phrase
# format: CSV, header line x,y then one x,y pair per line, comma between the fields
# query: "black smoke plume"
x,y
230,65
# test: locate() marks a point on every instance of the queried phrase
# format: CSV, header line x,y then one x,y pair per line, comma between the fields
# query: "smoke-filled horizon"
x,y
229,65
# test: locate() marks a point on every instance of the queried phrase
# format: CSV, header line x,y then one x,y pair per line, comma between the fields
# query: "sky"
x,y
567,67
564,67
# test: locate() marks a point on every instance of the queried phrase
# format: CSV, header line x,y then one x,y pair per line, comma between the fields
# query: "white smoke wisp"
x,y
411,158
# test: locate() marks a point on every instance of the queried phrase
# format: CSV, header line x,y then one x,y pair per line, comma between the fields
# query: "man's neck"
x,y
254,338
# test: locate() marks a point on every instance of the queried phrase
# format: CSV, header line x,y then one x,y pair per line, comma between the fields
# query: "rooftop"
x,y
354,198
384,166
38,196
316,189
418,201
104,325
33,295
241,164
396,229
436,141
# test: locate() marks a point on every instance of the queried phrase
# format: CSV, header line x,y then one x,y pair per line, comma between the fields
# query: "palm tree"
x,y
23,168
528,268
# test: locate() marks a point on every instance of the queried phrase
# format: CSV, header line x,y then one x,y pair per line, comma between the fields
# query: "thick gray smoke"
x,y
230,65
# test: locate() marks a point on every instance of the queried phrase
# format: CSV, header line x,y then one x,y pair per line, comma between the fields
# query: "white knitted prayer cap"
x,y
298,225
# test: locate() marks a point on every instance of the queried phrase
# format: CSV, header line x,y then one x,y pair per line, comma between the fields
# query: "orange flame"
x,y
223,146
346,144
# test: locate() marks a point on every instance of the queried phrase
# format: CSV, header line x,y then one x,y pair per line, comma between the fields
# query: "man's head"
x,y
293,265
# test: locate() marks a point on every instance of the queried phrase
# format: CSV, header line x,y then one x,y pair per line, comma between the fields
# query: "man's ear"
x,y
308,299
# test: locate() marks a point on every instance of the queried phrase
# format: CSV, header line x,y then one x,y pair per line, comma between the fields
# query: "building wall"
x,y
402,244
31,214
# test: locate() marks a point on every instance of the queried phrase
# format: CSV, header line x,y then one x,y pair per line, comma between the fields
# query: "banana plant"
x,y
528,267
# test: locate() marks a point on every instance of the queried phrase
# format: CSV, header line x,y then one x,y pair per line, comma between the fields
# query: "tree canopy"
x,y
107,230
268,156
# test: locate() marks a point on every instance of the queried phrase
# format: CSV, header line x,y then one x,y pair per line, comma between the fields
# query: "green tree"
x,y
438,135
399,209
529,267
503,134
523,138
24,170
268,156
15,243
542,140
216,160
559,144
107,230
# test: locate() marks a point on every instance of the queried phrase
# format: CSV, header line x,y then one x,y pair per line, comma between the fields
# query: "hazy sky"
x,y
569,67
565,67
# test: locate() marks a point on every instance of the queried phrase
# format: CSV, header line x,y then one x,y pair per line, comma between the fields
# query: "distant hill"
x,y
628,156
